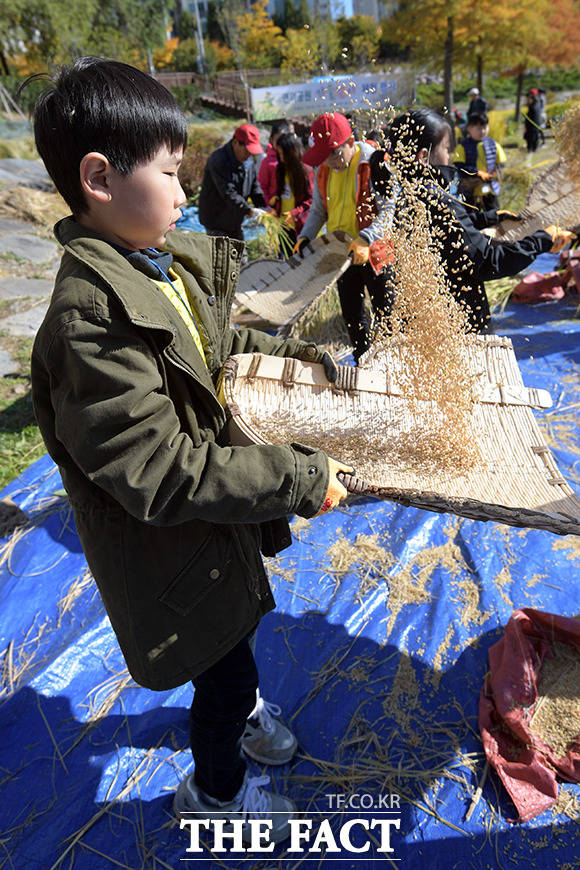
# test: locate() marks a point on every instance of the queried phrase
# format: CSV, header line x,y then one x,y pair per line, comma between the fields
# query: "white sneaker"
x,y
265,739
251,802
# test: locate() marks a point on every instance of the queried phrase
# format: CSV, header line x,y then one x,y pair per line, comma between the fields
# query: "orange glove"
x,y
485,176
336,492
287,218
560,238
301,241
359,248
273,201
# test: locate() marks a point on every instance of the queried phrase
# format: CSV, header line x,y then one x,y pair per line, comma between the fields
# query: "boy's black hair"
x,y
105,106
477,118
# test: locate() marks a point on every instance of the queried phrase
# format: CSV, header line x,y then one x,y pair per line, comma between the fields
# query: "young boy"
x,y
171,517
480,159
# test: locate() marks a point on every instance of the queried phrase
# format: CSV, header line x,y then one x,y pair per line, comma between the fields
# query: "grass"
x,y
20,439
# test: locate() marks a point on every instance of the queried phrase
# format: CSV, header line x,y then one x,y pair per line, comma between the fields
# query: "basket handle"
x,y
349,481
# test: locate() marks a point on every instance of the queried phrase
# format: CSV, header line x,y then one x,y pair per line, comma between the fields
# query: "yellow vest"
x,y
341,198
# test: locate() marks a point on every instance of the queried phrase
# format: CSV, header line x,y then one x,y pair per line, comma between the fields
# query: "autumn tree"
x,y
427,29
359,40
58,31
260,40
301,52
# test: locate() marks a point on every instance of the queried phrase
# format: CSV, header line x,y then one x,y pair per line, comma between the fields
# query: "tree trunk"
x,y
150,64
448,68
480,73
520,88
3,64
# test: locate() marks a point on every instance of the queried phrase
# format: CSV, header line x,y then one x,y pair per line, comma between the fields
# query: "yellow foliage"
x,y
260,39
301,52
163,56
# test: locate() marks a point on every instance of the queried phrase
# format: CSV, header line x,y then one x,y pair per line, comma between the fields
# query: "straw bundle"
x,y
278,290
554,198
368,420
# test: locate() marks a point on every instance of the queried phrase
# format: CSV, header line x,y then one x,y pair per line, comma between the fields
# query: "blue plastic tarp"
x,y
377,667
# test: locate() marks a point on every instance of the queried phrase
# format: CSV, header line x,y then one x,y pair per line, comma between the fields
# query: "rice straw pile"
x,y
567,135
556,719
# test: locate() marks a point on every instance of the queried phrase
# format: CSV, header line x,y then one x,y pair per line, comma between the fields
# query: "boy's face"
x,y
145,205
478,131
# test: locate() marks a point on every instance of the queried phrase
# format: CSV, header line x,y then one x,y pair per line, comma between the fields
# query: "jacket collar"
x,y
205,257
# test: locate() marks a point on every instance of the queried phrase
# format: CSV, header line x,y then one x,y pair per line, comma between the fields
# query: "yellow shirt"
x,y
341,198
287,201
177,295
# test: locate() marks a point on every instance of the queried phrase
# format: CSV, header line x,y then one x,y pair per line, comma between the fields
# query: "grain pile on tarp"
x,y
529,710
377,662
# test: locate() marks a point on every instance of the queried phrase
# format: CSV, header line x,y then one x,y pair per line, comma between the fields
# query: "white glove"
x,y
257,212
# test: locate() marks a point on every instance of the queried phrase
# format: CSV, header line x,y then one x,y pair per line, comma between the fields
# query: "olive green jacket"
x,y
168,512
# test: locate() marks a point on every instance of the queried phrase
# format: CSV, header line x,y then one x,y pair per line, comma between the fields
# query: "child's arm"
x,y
317,214
493,259
122,431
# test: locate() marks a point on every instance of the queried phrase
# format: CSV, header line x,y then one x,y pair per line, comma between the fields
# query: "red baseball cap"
x,y
250,137
327,133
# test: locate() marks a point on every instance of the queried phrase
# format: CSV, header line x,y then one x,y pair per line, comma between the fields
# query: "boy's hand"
x,y
301,241
485,176
560,238
336,492
359,248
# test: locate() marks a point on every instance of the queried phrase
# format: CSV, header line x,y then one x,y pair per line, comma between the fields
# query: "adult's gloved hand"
x,y
301,241
273,201
485,176
503,214
336,492
359,248
560,238
330,369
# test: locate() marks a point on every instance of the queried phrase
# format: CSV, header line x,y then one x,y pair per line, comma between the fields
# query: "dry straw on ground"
x,y
37,206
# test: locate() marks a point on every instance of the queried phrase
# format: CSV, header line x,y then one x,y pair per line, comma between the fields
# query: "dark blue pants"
x,y
224,697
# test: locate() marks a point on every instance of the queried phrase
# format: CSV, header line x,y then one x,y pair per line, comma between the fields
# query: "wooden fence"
x,y
226,91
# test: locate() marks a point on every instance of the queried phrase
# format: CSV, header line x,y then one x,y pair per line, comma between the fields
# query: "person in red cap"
x,y
343,199
229,182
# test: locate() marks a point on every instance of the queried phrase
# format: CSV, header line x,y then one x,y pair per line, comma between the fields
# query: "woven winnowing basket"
x,y
274,400
277,290
554,198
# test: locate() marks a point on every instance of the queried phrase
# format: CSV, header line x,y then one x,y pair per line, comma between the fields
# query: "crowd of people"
x,y
349,184
173,518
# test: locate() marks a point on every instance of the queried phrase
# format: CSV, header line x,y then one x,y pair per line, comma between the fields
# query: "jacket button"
x,y
214,574
211,300
312,469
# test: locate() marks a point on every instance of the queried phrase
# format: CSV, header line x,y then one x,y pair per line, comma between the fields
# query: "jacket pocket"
x,y
203,571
